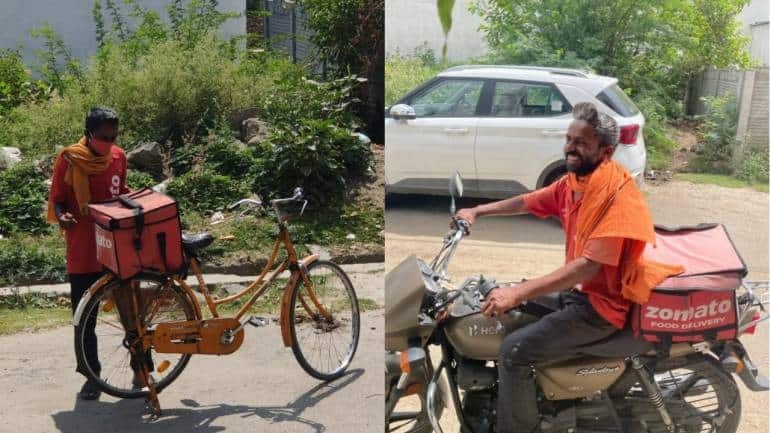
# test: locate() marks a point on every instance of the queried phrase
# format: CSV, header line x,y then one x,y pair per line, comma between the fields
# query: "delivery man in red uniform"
x,y
91,170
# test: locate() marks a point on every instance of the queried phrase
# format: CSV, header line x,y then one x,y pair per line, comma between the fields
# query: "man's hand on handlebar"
x,y
468,215
500,300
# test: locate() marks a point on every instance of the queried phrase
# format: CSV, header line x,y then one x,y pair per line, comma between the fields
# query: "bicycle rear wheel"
x,y
161,301
325,322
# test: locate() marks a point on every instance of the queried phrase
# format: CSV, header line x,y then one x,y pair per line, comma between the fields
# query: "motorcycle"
x,y
621,384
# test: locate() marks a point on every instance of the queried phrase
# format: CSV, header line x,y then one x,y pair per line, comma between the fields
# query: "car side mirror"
x,y
556,106
455,190
402,112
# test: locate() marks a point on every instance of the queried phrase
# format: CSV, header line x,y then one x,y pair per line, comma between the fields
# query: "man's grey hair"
x,y
605,127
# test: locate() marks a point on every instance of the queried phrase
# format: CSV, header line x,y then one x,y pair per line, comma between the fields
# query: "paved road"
x,y
511,248
259,388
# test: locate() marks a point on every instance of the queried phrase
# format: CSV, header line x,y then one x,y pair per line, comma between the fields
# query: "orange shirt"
x,y
604,289
81,240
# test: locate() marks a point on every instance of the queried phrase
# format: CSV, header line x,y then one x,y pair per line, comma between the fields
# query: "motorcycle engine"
x,y
479,410
473,375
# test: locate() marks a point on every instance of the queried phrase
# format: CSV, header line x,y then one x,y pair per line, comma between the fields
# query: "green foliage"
x,y
23,195
752,166
25,259
403,73
205,191
136,179
718,143
16,85
296,98
445,16
653,46
659,146
174,93
57,67
37,129
314,154
346,33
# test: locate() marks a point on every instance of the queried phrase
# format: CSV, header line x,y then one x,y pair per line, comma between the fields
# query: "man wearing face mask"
x,y
91,170
607,226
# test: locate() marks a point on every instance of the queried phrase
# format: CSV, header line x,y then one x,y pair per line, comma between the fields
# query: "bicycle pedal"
x,y
257,321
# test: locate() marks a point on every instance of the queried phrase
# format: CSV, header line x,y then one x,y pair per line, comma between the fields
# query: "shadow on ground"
x,y
131,415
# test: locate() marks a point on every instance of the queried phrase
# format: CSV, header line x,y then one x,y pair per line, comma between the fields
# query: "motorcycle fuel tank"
x,y
477,337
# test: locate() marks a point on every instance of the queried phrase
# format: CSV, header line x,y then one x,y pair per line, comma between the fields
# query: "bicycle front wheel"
x,y
325,322
107,360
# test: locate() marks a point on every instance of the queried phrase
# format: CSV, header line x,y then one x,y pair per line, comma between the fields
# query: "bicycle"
x,y
149,327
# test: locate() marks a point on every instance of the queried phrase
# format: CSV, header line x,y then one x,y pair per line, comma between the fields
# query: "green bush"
x,y
25,259
205,191
295,98
136,179
659,145
403,74
224,155
37,129
16,84
23,195
174,93
718,143
752,166
315,155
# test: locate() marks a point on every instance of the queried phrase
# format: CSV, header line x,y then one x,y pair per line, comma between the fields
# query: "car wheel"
x,y
554,176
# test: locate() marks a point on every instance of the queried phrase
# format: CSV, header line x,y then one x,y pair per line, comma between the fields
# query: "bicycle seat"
x,y
197,241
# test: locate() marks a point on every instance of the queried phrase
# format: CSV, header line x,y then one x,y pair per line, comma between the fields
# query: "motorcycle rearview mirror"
x,y
455,190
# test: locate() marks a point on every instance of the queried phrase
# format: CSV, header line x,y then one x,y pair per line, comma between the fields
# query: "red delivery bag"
x,y
138,231
700,303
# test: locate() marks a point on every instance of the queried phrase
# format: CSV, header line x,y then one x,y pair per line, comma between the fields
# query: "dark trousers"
x,y
559,334
79,284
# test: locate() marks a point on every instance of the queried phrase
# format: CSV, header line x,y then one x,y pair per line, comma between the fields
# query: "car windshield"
x,y
615,98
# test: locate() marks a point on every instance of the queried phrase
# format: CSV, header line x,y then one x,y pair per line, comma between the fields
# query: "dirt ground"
x,y
511,248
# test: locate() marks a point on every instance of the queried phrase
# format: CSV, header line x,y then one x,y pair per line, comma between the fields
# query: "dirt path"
x,y
510,248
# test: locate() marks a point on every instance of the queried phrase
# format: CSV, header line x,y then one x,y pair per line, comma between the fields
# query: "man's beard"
x,y
585,168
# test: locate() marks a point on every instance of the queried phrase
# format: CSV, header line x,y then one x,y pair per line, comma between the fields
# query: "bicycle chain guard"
x,y
205,337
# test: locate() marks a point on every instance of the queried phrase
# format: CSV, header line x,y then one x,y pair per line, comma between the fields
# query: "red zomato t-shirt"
x,y
81,242
604,289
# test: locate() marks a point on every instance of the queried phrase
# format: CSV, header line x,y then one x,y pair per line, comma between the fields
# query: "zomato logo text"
x,y
707,310
705,316
103,242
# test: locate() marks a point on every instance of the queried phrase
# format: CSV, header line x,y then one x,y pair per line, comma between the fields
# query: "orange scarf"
x,y
613,206
82,163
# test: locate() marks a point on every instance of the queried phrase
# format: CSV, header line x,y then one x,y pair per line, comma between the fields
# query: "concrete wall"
x,y
72,19
751,89
411,23
757,115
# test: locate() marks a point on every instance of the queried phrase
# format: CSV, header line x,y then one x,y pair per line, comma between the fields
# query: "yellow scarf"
x,y
605,212
82,163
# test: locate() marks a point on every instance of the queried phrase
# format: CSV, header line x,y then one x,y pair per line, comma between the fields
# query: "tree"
x,y
350,38
652,47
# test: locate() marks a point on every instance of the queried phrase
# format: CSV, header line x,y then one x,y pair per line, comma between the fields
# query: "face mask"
x,y
100,146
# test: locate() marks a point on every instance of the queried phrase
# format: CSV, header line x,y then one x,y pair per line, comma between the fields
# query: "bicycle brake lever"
x,y
304,205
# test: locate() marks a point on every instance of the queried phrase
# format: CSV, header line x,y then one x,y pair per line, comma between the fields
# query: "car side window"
x,y
448,98
513,99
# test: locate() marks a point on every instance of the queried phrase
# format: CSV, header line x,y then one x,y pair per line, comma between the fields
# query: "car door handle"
x,y
456,131
554,131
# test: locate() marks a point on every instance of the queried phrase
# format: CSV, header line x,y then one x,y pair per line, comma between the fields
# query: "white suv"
x,y
502,127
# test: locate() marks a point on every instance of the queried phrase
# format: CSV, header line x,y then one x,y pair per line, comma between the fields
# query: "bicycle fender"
x,y
286,300
101,282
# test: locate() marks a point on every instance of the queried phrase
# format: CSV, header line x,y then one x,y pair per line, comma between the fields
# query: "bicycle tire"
x,y
94,302
353,323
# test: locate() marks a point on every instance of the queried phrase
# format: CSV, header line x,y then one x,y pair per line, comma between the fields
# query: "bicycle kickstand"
x,y
152,398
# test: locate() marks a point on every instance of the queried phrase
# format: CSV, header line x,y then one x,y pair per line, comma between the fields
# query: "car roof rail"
x,y
558,71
